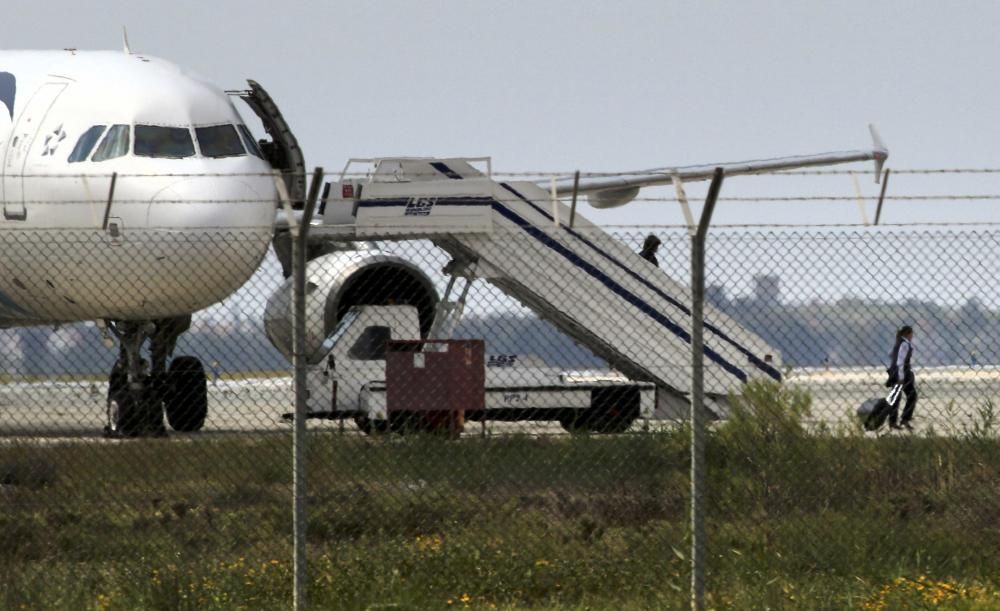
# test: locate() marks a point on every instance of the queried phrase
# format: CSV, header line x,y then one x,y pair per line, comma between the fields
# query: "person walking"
x,y
902,380
649,248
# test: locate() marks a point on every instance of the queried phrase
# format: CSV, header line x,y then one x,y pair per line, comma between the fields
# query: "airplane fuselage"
x,y
130,189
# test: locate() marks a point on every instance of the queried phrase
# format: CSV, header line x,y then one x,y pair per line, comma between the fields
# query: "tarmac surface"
x,y
952,401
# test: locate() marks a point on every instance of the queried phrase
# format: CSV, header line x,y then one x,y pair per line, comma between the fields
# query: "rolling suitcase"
x,y
874,412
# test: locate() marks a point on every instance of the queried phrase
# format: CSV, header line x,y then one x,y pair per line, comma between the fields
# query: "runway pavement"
x,y
952,402
79,408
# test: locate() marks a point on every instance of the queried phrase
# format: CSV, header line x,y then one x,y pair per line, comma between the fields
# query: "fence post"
x,y
300,242
698,396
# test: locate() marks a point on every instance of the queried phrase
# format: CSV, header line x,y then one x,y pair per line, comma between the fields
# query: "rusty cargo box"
x,y
435,375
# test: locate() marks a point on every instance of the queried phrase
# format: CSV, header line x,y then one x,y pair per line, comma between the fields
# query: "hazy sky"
x,y
597,86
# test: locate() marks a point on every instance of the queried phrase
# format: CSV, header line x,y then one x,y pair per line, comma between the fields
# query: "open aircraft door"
x,y
22,143
284,155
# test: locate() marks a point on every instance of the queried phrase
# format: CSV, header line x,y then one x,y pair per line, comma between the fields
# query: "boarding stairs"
x,y
518,237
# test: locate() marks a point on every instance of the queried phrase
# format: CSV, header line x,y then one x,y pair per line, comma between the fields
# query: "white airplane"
x,y
134,195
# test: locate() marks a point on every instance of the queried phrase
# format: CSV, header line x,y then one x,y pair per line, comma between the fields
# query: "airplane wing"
x,y
613,190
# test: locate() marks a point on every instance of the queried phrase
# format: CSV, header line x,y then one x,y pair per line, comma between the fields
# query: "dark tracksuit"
x,y
902,352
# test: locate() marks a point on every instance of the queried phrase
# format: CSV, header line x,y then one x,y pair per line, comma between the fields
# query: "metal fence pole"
x,y
697,396
300,242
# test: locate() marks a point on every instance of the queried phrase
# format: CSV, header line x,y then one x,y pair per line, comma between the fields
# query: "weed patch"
x,y
795,519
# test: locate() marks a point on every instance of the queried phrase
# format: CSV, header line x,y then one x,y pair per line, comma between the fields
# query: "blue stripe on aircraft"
x,y
576,260
753,358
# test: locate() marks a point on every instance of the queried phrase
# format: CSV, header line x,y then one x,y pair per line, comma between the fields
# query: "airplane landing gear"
x,y
186,396
134,408
139,391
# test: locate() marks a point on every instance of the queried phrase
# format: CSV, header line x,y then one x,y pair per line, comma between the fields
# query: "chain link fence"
x,y
511,459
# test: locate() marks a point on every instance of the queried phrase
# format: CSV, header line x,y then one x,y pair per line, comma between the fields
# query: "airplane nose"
x,y
205,237
222,202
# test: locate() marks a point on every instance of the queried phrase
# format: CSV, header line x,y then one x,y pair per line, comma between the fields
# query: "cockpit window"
x,y
86,143
249,142
115,143
219,141
8,89
157,141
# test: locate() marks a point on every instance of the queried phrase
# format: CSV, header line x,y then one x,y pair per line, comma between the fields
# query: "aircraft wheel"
x,y
123,415
186,394
118,400
132,413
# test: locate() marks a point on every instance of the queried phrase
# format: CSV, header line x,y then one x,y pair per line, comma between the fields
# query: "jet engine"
x,y
339,280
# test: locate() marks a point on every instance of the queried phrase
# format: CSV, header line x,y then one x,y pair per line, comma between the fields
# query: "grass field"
x,y
795,520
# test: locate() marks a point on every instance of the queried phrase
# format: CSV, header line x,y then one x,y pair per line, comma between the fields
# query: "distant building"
x,y
715,294
767,289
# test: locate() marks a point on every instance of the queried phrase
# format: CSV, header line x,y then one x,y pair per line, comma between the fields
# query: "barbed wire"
x,y
894,171
668,171
839,198
650,199
253,230
537,174
808,226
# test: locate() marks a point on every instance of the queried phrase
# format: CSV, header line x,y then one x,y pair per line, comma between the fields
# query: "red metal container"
x,y
441,379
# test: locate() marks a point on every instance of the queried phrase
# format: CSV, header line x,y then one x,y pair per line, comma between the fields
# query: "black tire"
x,y
185,397
404,422
132,413
118,400
613,409
575,421
614,420
371,427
